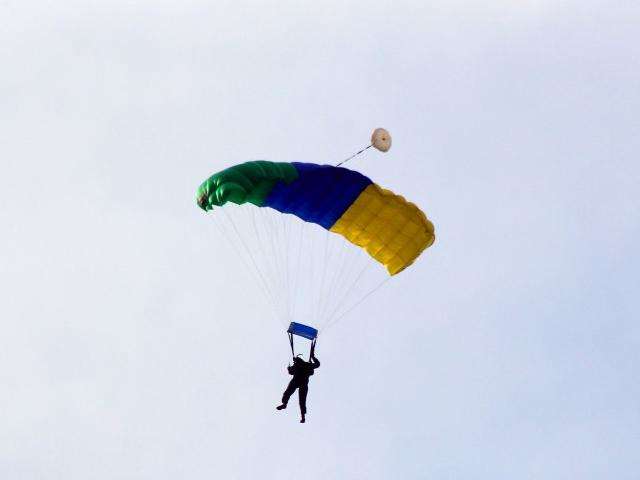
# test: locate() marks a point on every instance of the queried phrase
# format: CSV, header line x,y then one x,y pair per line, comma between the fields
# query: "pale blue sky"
x,y
509,351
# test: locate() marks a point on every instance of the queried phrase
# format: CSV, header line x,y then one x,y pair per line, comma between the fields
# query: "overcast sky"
x,y
132,345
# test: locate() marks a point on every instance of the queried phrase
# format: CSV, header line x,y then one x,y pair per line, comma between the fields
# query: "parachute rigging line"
x,y
253,261
354,155
371,292
263,285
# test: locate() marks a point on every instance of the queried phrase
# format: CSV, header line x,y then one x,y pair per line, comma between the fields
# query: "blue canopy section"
x,y
320,194
303,330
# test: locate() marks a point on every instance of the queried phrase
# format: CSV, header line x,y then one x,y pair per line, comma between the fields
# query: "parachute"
x,y
393,231
344,203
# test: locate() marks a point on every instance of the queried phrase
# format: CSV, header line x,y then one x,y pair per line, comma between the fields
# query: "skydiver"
x,y
301,371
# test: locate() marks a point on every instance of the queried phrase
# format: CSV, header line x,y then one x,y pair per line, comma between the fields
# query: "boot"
x,y
302,420
281,407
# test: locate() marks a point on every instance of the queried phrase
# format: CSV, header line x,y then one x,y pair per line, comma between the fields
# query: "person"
x,y
301,371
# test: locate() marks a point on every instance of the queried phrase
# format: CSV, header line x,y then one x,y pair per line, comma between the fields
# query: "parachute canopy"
x,y
393,231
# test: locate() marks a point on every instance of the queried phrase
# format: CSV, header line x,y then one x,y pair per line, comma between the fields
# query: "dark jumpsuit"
x,y
301,372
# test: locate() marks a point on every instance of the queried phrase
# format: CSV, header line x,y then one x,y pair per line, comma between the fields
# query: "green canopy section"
x,y
248,182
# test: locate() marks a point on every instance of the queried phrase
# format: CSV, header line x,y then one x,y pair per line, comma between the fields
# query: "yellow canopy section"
x,y
390,229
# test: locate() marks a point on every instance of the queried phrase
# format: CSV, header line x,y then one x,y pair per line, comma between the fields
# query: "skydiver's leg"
x,y
302,396
287,394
